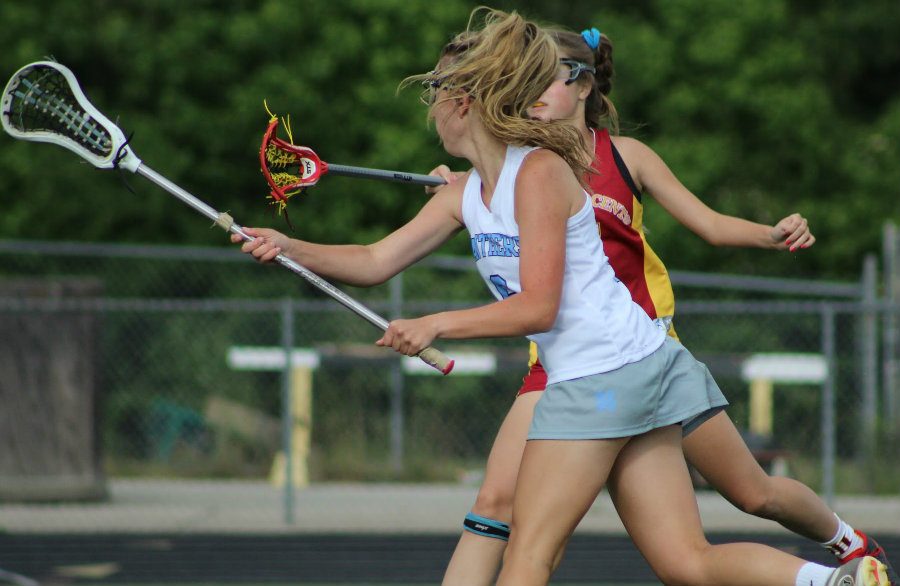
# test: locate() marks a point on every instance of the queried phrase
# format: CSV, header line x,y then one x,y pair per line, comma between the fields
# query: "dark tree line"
x,y
762,108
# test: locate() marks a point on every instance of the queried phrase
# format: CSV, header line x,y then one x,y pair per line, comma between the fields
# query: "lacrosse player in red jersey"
x,y
626,169
619,388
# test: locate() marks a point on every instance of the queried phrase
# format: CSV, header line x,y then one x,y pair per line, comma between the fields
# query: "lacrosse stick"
x,y
42,102
289,168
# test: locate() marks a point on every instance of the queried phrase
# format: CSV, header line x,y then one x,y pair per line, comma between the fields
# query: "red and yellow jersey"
x,y
620,219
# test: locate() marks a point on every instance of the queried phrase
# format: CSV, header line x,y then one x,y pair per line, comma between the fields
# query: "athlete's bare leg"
x,y
477,558
651,489
720,455
558,482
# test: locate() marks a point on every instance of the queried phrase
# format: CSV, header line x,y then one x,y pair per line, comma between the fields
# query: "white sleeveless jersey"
x,y
599,328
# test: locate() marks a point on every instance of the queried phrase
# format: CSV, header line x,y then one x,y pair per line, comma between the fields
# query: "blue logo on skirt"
x,y
605,400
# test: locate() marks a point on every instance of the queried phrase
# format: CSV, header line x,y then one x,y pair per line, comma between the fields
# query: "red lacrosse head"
x,y
288,168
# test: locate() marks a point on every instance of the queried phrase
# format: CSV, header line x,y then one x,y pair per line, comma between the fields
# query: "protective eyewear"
x,y
431,84
576,68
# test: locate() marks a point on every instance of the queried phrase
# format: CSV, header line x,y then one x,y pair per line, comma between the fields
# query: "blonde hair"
x,y
505,63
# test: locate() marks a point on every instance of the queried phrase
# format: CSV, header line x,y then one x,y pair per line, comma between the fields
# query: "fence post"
x,y
891,269
397,382
828,422
869,366
287,343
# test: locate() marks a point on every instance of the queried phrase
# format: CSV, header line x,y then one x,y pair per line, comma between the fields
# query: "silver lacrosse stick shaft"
x,y
229,226
433,357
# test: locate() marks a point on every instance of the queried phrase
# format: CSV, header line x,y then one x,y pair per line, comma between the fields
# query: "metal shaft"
x,y
399,176
284,261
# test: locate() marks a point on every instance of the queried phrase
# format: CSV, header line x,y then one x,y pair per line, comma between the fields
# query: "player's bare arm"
x,y
373,264
653,176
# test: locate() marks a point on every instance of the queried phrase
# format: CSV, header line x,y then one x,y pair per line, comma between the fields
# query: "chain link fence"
x,y
161,362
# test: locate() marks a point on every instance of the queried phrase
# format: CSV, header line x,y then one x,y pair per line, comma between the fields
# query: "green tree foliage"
x,y
189,79
762,108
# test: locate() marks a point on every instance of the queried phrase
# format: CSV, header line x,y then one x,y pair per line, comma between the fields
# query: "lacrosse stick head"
x,y
288,168
43,103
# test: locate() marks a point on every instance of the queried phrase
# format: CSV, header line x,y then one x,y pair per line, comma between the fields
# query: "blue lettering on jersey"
x,y
494,244
501,286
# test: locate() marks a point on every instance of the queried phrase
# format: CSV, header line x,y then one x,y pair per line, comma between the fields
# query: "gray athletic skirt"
x,y
668,387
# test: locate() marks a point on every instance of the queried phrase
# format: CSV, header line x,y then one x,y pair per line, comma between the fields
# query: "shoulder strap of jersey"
x,y
604,148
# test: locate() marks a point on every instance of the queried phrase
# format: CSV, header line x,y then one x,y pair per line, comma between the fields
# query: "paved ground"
x,y
207,532
258,508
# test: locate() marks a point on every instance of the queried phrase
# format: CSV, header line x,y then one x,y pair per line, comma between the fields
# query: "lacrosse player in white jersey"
x,y
617,389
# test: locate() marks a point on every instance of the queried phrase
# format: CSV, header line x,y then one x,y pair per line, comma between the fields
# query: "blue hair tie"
x,y
591,36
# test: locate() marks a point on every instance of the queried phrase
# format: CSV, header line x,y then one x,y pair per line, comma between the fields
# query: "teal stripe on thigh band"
x,y
487,527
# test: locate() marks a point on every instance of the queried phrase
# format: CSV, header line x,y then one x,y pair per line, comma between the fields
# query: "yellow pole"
x,y
761,407
301,418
